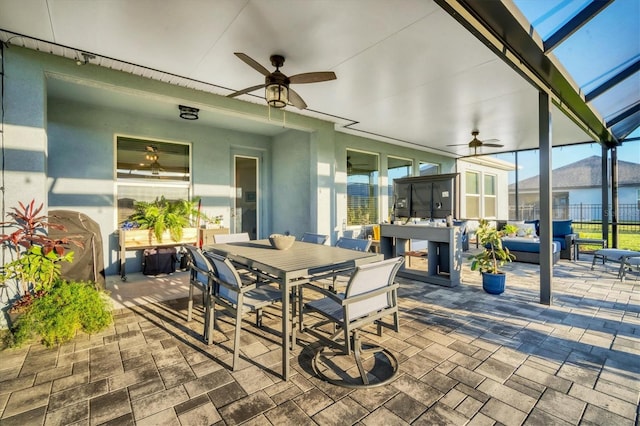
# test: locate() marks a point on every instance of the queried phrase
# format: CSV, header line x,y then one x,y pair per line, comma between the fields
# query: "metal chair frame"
x,y
370,296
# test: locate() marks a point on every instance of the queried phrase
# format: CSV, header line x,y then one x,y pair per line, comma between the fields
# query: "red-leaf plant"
x,y
35,255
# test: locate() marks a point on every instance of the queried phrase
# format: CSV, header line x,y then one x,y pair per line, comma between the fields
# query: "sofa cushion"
x,y
527,229
562,241
562,228
528,245
536,223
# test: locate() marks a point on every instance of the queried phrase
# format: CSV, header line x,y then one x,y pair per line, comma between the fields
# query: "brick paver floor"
x,y
466,357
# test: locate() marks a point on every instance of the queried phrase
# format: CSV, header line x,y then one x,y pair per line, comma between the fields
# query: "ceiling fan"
x,y
476,143
276,84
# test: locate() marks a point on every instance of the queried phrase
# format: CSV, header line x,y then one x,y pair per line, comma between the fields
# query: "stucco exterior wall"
x,y
60,150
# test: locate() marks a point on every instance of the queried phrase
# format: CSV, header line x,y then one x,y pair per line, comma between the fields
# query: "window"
x,y
397,168
472,195
429,168
490,200
362,188
147,170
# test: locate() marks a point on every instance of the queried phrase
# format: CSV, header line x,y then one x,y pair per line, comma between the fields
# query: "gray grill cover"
x,y
88,261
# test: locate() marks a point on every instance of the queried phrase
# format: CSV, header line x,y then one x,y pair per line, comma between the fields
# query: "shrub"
x,y
59,314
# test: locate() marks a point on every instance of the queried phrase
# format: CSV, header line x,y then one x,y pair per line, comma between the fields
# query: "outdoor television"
x,y
426,197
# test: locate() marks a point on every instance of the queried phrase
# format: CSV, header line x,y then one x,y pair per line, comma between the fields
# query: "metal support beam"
x,y
546,197
517,198
575,23
619,77
614,197
624,114
605,194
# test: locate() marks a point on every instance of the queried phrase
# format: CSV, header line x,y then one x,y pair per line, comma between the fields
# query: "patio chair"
x,y
201,277
370,296
353,243
308,237
626,258
238,296
231,238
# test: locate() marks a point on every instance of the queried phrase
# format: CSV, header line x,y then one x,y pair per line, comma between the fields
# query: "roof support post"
x,y
605,194
546,238
614,197
517,198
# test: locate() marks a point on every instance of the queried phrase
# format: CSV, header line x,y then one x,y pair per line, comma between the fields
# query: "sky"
x,y
594,53
528,161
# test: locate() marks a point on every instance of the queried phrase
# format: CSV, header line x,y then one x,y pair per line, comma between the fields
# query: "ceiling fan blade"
x,y
485,141
247,90
253,63
296,100
312,77
492,145
459,144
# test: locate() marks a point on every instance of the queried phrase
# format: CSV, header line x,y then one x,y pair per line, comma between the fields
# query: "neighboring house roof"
x,y
585,173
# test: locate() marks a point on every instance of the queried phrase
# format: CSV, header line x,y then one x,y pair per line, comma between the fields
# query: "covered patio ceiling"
x,y
418,73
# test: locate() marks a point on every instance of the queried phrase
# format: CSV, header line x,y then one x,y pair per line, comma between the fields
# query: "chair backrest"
x,y
231,238
353,244
226,272
372,278
199,265
308,237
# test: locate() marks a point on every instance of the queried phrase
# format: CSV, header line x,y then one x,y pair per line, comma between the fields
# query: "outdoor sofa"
x,y
527,249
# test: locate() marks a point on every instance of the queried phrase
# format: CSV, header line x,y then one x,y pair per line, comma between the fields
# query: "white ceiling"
x,y
407,72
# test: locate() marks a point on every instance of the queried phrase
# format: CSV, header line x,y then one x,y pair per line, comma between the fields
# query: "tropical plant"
x,y
36,256
163,215
493,254
58,315
510,229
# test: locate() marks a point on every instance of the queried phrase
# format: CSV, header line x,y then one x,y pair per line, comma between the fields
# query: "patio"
x,y
466,358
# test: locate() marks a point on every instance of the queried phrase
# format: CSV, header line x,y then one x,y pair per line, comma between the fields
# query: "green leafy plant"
x,y
494,254
58,315
162,215
35,265
510,229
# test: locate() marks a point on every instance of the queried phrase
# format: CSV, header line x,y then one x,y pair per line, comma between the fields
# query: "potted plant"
x,y
491,258
510,229
166,219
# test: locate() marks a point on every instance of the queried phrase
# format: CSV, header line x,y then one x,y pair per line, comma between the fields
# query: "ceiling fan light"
x,y
277,95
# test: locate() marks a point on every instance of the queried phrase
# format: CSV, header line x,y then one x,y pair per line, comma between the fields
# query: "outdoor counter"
x,y
440,264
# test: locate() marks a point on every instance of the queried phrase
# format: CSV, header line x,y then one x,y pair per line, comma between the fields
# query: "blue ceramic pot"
x,y
493,283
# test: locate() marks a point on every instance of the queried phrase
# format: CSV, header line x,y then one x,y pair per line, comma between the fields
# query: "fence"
x,y
587,214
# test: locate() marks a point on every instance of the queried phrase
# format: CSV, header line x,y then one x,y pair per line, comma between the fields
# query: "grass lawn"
x,y
627,240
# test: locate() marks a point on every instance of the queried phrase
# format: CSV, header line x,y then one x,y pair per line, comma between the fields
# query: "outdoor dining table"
x,y
291,268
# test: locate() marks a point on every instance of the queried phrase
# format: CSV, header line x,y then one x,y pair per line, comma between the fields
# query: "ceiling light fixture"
x,y
276,94
188,113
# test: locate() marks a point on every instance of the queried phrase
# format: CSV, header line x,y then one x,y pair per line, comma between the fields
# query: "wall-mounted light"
x,y
188,113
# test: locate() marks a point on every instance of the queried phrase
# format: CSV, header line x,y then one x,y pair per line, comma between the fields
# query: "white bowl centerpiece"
x,y
281,242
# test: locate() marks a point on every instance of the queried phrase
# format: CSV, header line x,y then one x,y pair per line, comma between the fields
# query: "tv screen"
x,y
426,197
421,199
442,198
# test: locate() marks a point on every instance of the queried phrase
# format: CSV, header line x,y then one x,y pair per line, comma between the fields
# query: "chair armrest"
x,y
570,237
327,293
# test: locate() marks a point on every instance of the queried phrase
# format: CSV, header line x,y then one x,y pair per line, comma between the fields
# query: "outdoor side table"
x,y
577,242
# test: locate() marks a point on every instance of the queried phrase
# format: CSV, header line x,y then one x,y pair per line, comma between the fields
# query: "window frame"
x,y
150,183
374,188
